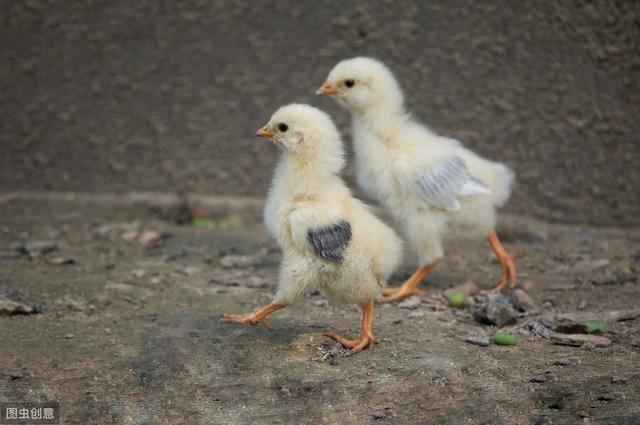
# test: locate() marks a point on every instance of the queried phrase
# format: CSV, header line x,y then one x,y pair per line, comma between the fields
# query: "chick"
x,y
435,189
330,240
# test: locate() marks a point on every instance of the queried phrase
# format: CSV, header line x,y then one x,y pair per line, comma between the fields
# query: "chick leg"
x,y
253,319
409,287
366,337
509,275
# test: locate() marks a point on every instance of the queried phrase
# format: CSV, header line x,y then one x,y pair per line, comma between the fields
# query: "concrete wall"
x,y
166,95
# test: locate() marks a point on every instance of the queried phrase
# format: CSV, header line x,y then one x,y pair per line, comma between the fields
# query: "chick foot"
x,y
409,287
253,319
366,337
356,345
509,275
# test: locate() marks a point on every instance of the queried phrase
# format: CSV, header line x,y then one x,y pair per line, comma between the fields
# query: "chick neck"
x,y
381,119
306,172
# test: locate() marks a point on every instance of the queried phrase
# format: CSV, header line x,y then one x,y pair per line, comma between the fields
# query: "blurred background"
x,y
120,96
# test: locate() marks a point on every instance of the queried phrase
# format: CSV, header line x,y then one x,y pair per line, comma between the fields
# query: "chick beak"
x,y
327,89
264,132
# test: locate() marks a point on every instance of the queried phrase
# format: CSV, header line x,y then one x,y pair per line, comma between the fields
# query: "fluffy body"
x,y
306,194
393,152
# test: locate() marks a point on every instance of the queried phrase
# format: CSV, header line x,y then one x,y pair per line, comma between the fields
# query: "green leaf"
x,y
203,223
624,270
596,327
458,300
502,338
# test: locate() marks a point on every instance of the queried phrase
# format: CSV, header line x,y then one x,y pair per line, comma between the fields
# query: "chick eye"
x,y
349,83
283,127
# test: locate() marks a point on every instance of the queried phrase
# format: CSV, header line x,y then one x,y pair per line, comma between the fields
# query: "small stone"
x,y
582,305
538,379
604,279
578,340
606,397
156,280
190,270
379,415
68,336
561,362
410,303
619,380
416,315
138,273
11,308
539,329
60,261
240,261
494,309
320,302
623,315
468,288
256,282
522,301
31,247
10,255
16,374
478,340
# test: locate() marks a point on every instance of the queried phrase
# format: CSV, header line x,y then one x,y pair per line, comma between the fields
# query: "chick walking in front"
x,y
329,240
435,188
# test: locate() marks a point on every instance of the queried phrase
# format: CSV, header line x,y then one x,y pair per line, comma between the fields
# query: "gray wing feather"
x,y
442,186
330,242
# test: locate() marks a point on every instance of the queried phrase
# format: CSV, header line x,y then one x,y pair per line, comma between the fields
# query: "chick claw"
x,y
509,275
250,318
394,294
356,345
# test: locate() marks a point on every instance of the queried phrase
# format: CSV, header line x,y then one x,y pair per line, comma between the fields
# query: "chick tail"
x,y
503,180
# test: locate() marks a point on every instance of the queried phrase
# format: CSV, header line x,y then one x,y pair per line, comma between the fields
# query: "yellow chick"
x,y
435,189
330,241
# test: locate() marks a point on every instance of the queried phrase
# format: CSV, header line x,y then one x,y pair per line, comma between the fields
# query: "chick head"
x,y
305,131
362,83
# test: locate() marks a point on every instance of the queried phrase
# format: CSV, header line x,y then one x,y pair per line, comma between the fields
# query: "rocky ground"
x,y
111,307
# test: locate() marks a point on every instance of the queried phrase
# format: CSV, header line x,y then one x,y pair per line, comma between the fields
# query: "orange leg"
x,y
509,276
409,287
253,319
366,337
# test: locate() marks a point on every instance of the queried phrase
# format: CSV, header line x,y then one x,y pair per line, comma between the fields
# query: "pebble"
x,y
68,336
606,397
538,379
416,315
619,379
494,309
241,261
9,255
539,329
379,415
578,340
190,270
478,340
410,303
256,282
11,308
16,374
138,273
60,261
522,301
38,246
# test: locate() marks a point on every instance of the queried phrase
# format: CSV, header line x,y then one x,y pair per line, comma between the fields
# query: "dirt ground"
x,y
131,334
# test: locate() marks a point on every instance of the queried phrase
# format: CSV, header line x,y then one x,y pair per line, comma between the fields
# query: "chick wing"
x,y
448,180
330,242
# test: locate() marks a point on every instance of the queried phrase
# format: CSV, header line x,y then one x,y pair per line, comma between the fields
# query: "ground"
x,y
129,326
